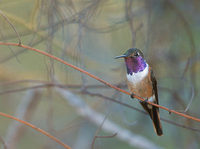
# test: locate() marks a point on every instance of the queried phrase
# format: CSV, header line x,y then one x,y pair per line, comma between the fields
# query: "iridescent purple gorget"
x,y
135,64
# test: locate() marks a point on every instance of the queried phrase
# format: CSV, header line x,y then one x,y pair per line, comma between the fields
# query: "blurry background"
x,y
89,34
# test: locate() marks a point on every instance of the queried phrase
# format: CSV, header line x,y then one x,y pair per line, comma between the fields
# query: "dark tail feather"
x,y
155,116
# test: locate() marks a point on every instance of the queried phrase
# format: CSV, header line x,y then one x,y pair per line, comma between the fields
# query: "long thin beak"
x,y
121,56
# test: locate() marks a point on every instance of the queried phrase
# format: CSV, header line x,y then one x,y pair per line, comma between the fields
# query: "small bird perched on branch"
x,y
142,82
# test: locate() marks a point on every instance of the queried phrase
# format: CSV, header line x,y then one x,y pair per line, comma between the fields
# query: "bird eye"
x,y
137,54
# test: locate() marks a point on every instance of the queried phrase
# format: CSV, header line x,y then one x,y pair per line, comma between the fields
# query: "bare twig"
x,y
24,111
13,27
99,128
111,136
36,128
95,137
22,89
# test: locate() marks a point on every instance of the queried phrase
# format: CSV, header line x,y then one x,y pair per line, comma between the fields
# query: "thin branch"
x,y
24,111
22,89
111,136
99,79
75,86
12,51
13,27
95,136
36,128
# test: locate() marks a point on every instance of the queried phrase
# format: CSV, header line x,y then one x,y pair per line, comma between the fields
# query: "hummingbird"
x,y
142,82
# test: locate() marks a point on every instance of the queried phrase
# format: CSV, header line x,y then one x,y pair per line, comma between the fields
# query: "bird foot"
x,y
132,95
145,101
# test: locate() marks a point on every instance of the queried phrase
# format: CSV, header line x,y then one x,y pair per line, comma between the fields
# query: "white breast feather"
x,y
139,76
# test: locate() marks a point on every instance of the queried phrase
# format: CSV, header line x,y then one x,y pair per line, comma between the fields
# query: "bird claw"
x,y
132,95
145,101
